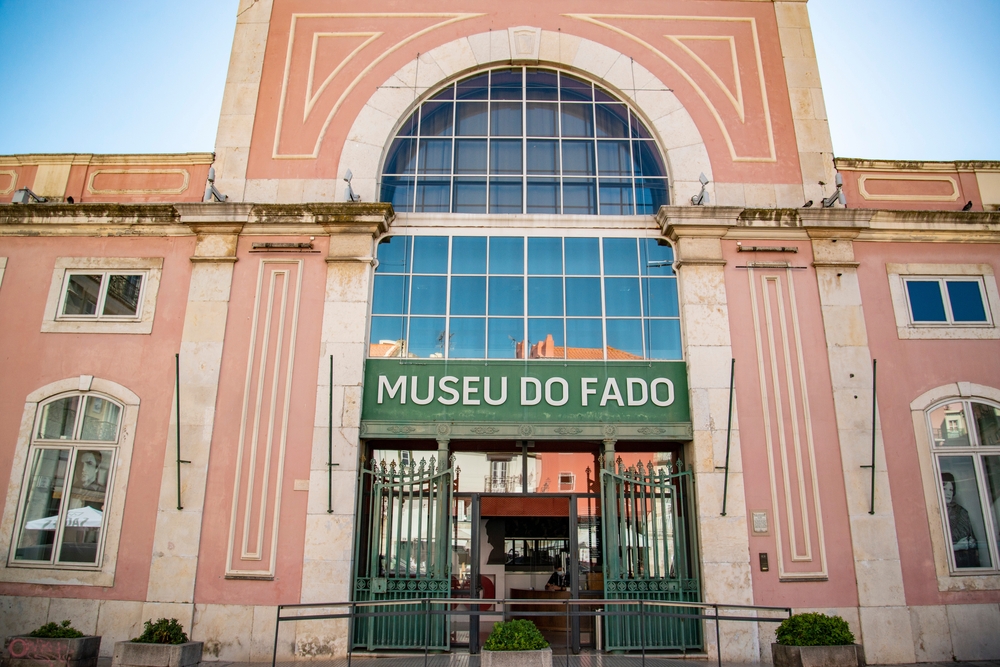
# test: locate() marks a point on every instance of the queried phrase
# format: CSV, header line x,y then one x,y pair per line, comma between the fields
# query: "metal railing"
x,y
427,608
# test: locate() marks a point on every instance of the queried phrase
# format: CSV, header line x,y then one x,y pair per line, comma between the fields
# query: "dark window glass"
x,y
506,296
430,254
625,335
389,329
436,119
612,121
543,157
429,295
394,254
543,195
660,297
545,297
639,130
402,157
621,297
470,156
579,197
655,259
505,119
544,256
646,159
583,257
583,297
663,339
123,295
468,254
616,197
539,329
470,118
578,158
542,121
409,128
572,89
541,85
650,195
398,191
426,337
470,196
59,419
620,258
507,255
446,94
432,196
390,295
505,156
468,295
467,338
966,301
577,120
584,339
505,336
505,84
505,196
614,158
601,95
925,300
473,88
82,294
435,156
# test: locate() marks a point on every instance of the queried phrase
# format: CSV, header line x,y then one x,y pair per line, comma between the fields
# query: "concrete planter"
x,y
25,651
135,654
540,658
852,655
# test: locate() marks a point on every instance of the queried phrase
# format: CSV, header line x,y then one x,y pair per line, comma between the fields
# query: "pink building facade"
x,y
622,217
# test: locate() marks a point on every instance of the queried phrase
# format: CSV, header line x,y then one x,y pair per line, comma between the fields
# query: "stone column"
x,y
724,544
884,617
170,592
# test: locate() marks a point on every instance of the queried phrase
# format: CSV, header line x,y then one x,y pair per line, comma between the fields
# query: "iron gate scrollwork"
x,y
650,554
403,553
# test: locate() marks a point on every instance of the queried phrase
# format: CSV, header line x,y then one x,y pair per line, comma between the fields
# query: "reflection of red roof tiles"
x,y
385,349
547,349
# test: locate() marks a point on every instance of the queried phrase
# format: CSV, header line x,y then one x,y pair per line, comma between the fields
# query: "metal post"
x,y
177,369
874,415
329,446
475,592
427,628
729,434
642,631
277,622
718,641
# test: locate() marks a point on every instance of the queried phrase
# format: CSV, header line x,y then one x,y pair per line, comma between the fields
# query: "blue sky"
x,y
903,79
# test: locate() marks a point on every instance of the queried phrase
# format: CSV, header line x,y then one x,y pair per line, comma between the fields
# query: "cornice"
x,y
863,164
104,159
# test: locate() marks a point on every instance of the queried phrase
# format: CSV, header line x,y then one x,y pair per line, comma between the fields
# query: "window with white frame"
x,y
944,301
106,295
567,481
965,442
67,485
947,300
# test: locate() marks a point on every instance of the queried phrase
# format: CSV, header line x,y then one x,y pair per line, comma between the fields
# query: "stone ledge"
x,y
135,654
852,655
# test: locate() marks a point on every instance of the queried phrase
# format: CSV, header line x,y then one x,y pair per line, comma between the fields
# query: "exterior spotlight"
x,y
212,193
349,192
26,196
701,198
838,194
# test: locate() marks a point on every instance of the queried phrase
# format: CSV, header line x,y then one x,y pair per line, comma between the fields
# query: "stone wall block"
x,y
118,621
931,634
558,47
813,135
346,322
791,14
290,190
839,287
83,613
760,195
789,195
845,325
261,190
223,628
881,630
183,612
21,615
974,633
880,584
343,491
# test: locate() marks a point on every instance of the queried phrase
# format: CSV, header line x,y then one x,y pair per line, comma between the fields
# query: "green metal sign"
x,y
412,390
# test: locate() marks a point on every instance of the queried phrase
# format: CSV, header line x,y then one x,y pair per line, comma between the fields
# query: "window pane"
x,y
505,156
571,88
85,516
646,159
616,197
435,119
470,196
426,337
543,157
467,338
430,254
446,94
42,505
409,128
987,424
948,426
578,158
398,192
577,120
428,295
505,84
402,157
100,420
542,119
505,336
545,296
639,130
506,296
470,156
507,254
965,515
583,296
390,295
612,120
58,419
663,339
541,85
505,119
544,256
655,259
579,196
473,88
621,297
539,330
123,295
624,339
470,119
991,464
468,295
620,257
468,254
966,300
543,195
388,337
435,156
394,255
433,196
505,196
925,300
584,339
583,257
659,297
614,158
82,294
650,195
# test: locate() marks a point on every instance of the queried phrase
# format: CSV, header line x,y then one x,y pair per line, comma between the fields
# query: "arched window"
x,y
74,444
524,140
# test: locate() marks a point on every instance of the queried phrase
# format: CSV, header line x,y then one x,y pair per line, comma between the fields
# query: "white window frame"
x,y
572,481
103,572
150,268
907,329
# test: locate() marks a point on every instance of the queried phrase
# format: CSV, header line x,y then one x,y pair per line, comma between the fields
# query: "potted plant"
x,y
814,640
54,643
516,643
161,644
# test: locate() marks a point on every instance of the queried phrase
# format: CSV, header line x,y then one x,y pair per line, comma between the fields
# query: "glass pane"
x,y
573,89
579,196
655,259
583,296
620,257
468,254
991,464
987,424
505,156
123,295
42,505
614,158
650,195
432,196
430,254
965,514
612,120
663,339
624,339
470,118
646,159
541,121
468,295
435,119
543,195
402,157
505,84
621,297
435,156
507,254
545,296
467,338
85,516
601,95
506,296
409,128
577,120
578,158
505,336
539,332
616,197
394,255
660,297
966,300
58,419
426,337
544,256
541,85
82,294
543,157
469,196
926,303
473,88
100,420
390,295
388,337
446,94
948,426
505,119
398,192
429,295
583,257
639,130
470,156
505,196
584,339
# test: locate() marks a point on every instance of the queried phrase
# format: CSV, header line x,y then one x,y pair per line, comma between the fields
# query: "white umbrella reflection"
x,y
81,517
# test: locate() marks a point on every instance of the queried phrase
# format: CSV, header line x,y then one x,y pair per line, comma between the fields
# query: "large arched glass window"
x,y
524,140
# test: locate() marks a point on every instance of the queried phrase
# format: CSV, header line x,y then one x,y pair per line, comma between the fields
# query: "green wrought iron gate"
x,y
649,554
402,553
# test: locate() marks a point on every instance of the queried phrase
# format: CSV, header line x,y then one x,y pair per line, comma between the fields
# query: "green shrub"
x,y
814,630
163,631
519,635
55,631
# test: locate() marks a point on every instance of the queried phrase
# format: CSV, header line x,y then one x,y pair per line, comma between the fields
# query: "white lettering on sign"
x,y
503,391
400,386
451,391
413,391
670,391
585,389
632,383
548,391
537,384
612,395
468,390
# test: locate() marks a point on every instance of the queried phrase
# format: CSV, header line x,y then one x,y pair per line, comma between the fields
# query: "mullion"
x,y
604,314
447,301
57,538
985,505
946,300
